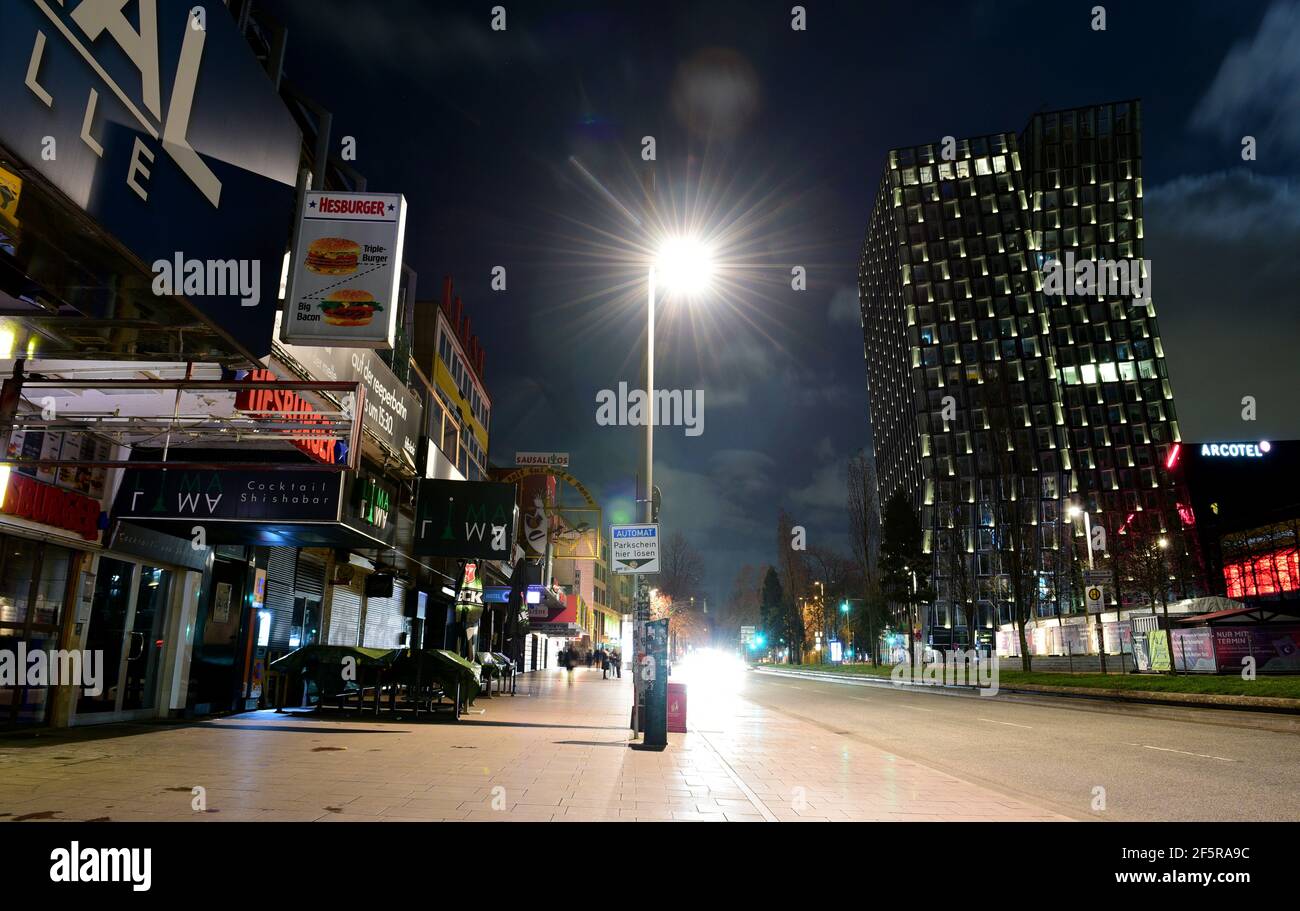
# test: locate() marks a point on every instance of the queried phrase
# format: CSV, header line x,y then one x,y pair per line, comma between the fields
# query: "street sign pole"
x,y
634,549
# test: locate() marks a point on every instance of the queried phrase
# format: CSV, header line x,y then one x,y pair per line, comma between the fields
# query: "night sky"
x,y
781,137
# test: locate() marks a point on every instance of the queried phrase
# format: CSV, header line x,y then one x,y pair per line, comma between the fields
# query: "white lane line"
x,y
1147,746
1009,724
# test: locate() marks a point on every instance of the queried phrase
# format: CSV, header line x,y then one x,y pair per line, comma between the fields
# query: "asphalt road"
x,y
1154,762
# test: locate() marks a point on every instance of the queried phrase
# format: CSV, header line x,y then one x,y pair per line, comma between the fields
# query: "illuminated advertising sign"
x,y
1236,450
266,404
346,271
30,499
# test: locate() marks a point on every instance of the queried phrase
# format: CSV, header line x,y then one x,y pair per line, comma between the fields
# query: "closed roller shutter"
x,y
345,612
279,593
310,578
385,622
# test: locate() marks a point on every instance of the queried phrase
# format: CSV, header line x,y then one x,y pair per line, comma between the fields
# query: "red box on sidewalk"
x,y
677,708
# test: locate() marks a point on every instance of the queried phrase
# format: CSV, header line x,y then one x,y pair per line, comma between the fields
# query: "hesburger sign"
x,y
347,264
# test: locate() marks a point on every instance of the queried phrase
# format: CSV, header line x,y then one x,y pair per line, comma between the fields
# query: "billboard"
x,y
345,270
474,519
169,135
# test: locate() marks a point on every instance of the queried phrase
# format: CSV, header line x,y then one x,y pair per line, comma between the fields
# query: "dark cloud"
x,y
1256,91
1226,283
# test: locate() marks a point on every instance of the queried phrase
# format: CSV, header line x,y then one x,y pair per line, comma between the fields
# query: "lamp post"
x,y
1074,512
684,265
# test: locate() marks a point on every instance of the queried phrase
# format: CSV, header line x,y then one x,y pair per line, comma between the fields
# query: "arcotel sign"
x,y
1236,450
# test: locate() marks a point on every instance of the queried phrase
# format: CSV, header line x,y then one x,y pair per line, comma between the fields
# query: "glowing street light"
x,y
685,265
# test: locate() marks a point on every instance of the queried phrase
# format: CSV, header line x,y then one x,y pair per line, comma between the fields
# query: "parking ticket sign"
x,y
634,549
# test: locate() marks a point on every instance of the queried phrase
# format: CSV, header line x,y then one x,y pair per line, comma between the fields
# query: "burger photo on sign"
x,y
349,307
333,256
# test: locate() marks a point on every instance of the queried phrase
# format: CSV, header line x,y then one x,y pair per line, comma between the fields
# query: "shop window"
x,y
52,587
19,565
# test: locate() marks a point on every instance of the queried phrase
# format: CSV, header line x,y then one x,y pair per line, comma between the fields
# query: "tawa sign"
x,y
473,519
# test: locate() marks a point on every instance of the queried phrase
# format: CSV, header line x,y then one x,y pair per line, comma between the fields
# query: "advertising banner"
x,y
1194,650
174,141
1158,648
465,519
537,492
1275,647
345,271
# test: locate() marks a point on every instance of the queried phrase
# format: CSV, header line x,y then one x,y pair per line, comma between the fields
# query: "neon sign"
x,y
1236,450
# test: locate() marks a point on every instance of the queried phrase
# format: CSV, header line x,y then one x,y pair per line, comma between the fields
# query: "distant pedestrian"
x,y
618,663
604,665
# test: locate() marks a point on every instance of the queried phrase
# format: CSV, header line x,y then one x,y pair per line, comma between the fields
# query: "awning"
x,y
1261,614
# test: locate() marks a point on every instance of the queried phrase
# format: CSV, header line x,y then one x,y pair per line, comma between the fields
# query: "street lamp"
x,y
684,266
1074,512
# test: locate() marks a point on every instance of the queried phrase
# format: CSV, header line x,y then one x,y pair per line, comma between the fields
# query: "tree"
x,y
839,580
686,625
794,579
681,569
1146,567
904,565
869,615
772,610
743,606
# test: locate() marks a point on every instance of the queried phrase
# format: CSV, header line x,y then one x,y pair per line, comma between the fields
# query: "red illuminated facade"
x,y
1273,573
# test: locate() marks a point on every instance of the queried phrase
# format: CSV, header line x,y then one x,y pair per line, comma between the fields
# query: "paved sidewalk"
x,y
556,752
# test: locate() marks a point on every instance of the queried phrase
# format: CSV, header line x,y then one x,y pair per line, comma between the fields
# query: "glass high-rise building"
x,y
975,332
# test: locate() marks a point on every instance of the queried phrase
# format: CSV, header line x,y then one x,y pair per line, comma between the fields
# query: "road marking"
x,y
1147,746
1007,723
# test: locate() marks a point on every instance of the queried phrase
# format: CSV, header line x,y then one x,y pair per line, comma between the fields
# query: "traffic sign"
x,y
1098,577
1096,598
634,549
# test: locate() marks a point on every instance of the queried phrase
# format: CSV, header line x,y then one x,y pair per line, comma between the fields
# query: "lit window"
x,y
1089,374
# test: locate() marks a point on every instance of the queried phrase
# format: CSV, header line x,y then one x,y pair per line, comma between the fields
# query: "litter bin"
x,y
677,708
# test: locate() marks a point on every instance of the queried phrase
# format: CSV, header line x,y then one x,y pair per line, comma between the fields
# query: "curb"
x,y
1147,697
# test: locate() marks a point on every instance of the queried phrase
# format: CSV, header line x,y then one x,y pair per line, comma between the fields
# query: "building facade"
x,y
1015,372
